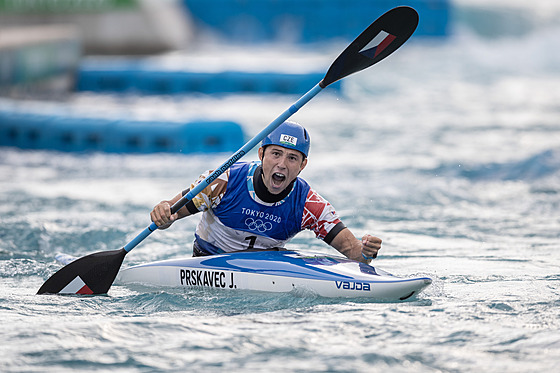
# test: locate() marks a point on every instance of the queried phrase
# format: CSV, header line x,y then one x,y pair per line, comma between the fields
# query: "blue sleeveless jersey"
x,y
239,210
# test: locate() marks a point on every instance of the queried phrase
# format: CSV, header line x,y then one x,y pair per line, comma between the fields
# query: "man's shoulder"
x,y
304,184
314,196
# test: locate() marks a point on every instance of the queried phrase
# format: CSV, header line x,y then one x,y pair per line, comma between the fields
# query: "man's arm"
x,y
351,247
161,214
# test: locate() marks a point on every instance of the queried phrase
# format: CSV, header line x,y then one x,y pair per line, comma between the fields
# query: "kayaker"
x,y
262,205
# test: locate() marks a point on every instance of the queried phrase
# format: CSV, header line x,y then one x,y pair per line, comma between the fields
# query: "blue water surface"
x,y
448,151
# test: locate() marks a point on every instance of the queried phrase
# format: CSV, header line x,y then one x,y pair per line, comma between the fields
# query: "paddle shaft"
x,y
227,164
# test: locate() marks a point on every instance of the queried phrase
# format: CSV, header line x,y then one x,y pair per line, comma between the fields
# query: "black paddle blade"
x,y
92,274
384,36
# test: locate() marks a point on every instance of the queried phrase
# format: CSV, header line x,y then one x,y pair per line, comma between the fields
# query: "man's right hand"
x,y
161,215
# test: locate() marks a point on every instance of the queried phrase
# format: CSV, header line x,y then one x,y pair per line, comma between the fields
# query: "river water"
x,y
449,151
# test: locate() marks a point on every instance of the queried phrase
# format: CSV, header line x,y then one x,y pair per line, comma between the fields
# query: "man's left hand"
x,y
370,246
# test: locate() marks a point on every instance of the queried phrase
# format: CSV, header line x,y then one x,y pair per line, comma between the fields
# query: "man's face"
x,y
280,167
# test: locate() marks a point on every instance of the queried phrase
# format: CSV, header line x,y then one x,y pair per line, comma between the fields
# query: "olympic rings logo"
x,y
258,225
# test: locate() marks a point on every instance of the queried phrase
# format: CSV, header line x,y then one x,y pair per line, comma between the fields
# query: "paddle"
x,y
95,273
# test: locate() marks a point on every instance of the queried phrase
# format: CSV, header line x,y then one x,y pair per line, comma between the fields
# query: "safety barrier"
x,y
307,21
82,134
132,77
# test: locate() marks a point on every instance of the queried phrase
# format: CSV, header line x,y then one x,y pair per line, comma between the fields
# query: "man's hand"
x,y
370,246
161,215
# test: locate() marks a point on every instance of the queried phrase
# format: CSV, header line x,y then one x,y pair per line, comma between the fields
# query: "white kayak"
x,y
278,272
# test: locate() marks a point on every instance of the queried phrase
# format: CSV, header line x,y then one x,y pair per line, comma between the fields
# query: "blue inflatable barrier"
x,y
24,130
74,134
103,77
105,80
200,137
307,21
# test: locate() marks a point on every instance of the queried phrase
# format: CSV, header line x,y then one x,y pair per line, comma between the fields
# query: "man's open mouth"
x,y
278,177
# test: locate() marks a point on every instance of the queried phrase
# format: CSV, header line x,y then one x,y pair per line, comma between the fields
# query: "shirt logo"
x,y
258,225
288,140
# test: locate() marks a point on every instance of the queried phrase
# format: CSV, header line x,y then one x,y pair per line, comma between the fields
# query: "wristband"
x,y
368,258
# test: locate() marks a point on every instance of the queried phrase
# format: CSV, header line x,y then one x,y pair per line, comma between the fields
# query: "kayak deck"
x,y
276,271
